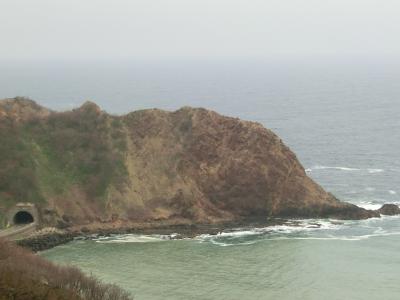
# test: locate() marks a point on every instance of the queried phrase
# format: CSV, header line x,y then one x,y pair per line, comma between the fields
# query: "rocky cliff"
x,y
85,166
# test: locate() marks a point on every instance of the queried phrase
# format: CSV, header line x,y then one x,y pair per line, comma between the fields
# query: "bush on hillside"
x,y
24,275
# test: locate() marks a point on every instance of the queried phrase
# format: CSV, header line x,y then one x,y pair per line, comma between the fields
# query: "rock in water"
x,y
191,164
389,210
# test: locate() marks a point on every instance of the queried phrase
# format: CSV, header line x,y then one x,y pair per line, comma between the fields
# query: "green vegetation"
x,y
27,276
41,157
17,173
80,145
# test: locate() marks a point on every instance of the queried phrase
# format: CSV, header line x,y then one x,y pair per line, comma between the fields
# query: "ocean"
x,y
341,120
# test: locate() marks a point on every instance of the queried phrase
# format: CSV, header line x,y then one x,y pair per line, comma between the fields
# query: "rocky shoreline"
x,y
179,230
47,241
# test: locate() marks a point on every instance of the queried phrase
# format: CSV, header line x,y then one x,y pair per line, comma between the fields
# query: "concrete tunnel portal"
x,y
23,214
23,217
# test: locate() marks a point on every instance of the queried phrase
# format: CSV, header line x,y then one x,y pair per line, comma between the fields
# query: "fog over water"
x,y
154,30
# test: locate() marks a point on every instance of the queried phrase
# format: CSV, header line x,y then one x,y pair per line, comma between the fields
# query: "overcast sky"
x,y
189,29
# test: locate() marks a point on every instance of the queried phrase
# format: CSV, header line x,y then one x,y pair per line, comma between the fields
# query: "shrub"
x,y
24,275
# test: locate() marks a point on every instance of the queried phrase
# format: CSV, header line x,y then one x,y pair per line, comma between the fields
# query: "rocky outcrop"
x,y
22,109
191,164
44,242
389,210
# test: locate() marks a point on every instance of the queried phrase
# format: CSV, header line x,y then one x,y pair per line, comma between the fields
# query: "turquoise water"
x,y
342,121
353,260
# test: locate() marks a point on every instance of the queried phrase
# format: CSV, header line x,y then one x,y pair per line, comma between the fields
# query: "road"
x,y
18,231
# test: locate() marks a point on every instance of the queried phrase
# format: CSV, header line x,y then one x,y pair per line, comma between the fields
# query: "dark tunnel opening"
x,y
23,217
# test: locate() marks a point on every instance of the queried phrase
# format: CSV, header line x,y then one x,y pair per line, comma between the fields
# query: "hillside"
x,y
84,166
26,276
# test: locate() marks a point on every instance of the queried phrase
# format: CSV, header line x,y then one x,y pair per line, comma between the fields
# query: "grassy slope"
x,y
44,157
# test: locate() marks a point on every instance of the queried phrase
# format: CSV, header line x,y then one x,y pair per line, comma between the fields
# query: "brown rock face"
x,y
191,164
204,166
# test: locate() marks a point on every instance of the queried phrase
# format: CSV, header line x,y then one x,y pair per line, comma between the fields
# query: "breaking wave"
x,y
134,238
309,229
369,205
372,171
318,167
341,168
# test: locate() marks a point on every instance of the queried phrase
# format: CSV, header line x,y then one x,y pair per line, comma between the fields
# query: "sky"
x,y
120,30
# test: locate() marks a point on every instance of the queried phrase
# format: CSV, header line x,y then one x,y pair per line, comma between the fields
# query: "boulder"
x,y
389,210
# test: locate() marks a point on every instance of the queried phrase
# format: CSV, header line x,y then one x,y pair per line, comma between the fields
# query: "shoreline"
x,y
183,230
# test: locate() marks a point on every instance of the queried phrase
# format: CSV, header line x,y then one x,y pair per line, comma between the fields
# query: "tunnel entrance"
x,y
23,217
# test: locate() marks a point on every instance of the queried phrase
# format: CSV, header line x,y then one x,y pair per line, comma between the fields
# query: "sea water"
x,y
342,121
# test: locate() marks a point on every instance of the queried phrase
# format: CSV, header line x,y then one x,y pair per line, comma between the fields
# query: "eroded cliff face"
x,y
192,164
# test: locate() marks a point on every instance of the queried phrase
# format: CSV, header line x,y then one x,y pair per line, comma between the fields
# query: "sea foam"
x,y
343,168
318,167
372,171
134,238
